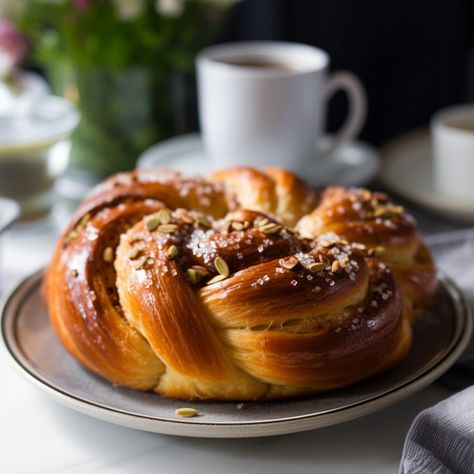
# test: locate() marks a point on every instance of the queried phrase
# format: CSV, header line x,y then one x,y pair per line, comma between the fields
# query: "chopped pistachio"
x,y
108,254
379,250
167,228
72,235
134,252
203,220
316,267
261,221
164,216
323,259
335,267
376,251
221,266
192,275
216,279
83,222
382,212
201,271
344,262
152,224
172,251
186,412
184,215
271,228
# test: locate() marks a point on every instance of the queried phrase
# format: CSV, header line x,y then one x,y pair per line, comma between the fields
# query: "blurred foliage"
x,y
98,33
127,64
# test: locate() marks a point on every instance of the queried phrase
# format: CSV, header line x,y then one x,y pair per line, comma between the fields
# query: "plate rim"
x,y
239,429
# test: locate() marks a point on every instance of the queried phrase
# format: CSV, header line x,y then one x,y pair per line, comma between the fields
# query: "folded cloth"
x,y
441,439
454,253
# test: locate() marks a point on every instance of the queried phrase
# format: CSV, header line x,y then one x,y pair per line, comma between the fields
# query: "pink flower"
x,y
12,43
82,4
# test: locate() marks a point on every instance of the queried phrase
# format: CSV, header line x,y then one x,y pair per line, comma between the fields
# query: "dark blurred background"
x,y
413,57
130,72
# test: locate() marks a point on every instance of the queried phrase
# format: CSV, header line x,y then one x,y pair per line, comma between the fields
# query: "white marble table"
x,y
37,435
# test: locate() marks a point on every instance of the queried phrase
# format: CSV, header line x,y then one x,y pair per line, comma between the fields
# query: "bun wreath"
x,y
202,289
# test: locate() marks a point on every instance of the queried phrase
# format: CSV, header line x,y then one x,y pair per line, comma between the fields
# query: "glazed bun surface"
x,y
247,285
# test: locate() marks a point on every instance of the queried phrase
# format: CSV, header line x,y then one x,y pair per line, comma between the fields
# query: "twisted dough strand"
x,y
370,218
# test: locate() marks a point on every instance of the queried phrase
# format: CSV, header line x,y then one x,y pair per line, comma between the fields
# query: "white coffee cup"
x,y
453,148
264,103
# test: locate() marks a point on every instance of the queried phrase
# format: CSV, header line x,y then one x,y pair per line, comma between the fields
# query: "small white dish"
x,y
9,212
352,165
407,170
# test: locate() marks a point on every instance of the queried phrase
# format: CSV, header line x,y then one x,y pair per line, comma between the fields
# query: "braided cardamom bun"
x,y
204,289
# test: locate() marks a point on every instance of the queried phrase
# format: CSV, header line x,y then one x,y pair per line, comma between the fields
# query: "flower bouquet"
x,y
126,64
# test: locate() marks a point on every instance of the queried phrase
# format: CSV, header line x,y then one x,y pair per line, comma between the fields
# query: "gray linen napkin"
x,y
441,439
454,253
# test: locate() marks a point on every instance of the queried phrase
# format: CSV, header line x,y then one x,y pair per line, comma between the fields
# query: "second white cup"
x,y
264,103
453,147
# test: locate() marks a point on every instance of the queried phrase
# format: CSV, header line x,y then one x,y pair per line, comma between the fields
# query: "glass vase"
x,y
123,112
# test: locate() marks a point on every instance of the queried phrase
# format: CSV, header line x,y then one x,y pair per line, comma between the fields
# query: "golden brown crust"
x,y
130,288
83,302
274,191
370,218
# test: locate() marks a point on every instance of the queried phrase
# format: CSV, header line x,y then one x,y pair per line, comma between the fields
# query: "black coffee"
x,y
259,63
464,124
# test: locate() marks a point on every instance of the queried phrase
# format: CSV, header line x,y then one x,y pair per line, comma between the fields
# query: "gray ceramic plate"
x,y
439,338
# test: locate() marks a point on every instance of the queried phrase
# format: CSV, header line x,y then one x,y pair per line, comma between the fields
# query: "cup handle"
x,y
348,82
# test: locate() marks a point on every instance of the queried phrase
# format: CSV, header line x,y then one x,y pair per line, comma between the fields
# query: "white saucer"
x,y
407,169
352,165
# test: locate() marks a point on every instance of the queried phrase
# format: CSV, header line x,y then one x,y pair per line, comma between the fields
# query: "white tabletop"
x,y
37,435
